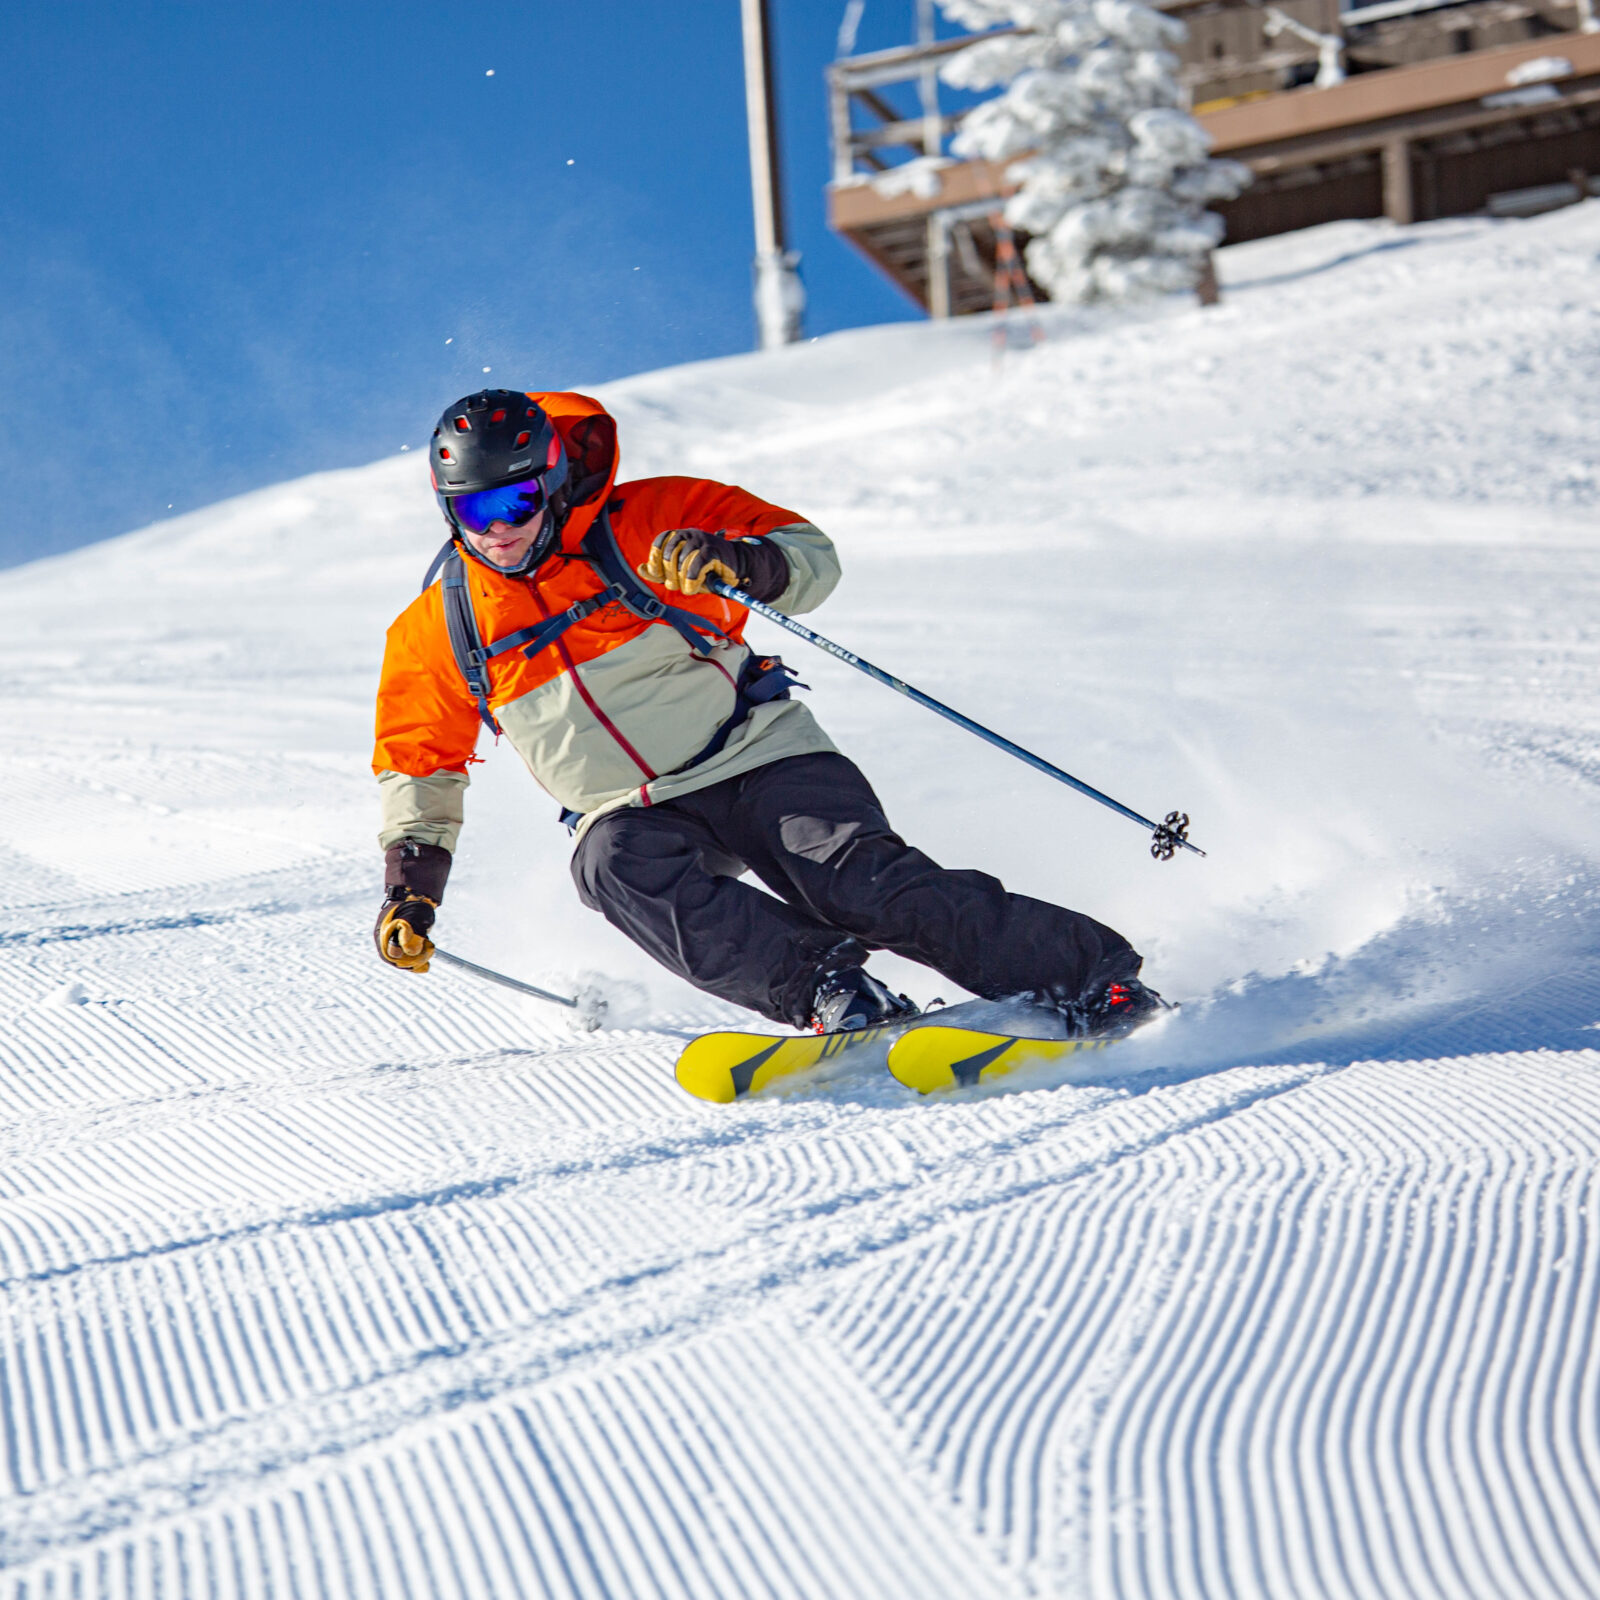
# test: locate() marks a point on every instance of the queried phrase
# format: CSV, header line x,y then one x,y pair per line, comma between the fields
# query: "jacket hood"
x,y
589,432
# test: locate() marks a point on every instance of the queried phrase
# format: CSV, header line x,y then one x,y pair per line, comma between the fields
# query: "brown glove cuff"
x,y
766,569
417,867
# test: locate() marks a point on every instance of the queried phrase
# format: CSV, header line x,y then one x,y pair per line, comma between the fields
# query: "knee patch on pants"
x,y
816,839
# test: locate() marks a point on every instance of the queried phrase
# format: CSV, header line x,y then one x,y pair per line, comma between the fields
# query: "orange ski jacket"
x,y
616,711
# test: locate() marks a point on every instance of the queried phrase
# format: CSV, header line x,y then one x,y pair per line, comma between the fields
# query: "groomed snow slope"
x,y
322,1280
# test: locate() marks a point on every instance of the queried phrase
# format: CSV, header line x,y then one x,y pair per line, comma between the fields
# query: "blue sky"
x,y
247,242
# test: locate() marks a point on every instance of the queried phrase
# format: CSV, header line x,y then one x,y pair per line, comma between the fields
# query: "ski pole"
x,y
1166,836
502,979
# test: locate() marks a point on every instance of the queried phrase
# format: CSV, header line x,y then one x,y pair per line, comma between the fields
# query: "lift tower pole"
x,y
780,299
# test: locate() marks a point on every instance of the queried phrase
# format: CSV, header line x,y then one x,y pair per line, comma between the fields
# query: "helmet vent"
x,y
462,425
522,440
444,453
499,416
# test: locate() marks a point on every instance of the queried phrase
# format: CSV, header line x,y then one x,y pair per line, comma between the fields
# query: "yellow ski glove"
x,y
685,558
402,931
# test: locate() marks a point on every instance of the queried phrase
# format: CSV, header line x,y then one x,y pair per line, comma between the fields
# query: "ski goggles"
x,y
514,503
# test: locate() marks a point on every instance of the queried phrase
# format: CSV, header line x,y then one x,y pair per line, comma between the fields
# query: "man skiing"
x,y
573,615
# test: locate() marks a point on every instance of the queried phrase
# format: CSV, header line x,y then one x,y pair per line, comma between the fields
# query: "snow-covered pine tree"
x,y
1116,176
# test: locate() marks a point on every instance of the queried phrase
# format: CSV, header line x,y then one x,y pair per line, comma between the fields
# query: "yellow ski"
x,y
724,1067
931,1058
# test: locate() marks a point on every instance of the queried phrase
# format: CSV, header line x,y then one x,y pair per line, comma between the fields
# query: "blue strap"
x,y
623,587
767,678
762,679
466,643
438,561
600,545
539,637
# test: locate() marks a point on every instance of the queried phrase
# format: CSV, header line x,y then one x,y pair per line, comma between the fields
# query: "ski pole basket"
x,y
1169,833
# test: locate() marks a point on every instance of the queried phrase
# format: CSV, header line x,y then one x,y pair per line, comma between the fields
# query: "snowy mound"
x,y
322,1279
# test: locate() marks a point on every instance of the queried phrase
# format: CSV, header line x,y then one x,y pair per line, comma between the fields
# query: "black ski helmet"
x,y
494,438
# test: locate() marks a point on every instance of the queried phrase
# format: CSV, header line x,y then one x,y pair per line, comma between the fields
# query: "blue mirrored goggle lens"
x,y
515,503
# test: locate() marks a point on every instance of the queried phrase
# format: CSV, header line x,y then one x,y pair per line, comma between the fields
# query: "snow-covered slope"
x,y
324,1280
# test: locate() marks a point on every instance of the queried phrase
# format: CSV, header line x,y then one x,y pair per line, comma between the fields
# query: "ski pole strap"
x,y
1166,837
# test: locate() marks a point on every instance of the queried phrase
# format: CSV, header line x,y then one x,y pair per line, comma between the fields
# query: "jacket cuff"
x,y
766,569
420,868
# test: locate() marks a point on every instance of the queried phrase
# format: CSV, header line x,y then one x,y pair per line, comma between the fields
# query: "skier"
x,y
573,615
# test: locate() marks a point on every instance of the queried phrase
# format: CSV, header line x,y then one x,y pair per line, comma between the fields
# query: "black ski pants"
x,y
811,829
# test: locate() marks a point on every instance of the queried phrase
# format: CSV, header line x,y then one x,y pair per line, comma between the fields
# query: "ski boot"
x,y
1108,1010
1115,1009
852,998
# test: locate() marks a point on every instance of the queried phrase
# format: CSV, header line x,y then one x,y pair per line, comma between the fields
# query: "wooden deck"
x,y
1429,139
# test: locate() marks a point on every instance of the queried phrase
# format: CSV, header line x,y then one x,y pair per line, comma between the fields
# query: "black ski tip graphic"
x,y
968,1072
744,1072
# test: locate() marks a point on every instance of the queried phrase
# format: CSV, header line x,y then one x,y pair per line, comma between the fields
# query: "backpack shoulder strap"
x,y
622,584
466,643
605,555
437,562
471,654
